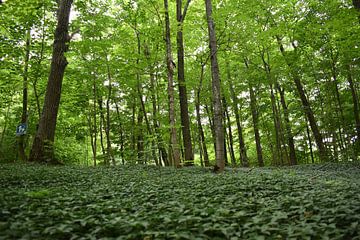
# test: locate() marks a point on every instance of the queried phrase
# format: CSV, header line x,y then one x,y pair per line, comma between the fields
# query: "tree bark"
x,y
235,102
255,118
24,115
306,105
43,145
174,150
184,109
290,138
230,134
109,151
216,91
101,127
356,110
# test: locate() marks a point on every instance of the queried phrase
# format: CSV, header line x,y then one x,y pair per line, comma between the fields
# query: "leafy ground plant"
x,y
139,202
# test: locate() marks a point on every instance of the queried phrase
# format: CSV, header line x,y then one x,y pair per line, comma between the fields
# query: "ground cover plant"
x,y
143,202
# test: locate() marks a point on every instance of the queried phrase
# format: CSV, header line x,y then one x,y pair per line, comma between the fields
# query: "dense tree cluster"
x,y
235,82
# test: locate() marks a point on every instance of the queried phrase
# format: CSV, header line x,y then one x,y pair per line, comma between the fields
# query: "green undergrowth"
x,y
139,202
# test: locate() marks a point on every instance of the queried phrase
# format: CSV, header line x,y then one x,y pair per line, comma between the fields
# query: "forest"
x,y
158,119
118,82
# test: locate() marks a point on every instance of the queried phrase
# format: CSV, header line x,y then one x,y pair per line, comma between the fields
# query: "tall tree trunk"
x,y
210,114
174,150
310,143
121,132
24,117
230,134
306,105
156,125
289,134
202,141
255,118
355,107
216,91
94,129
38,63
235,102
109,152
184,111
101,127
43,146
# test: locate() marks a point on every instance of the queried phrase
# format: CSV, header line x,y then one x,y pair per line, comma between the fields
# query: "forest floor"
x,y
139,202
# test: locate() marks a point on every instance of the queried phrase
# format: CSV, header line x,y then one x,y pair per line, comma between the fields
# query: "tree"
x,y
184,109
43,145
174,148
216,91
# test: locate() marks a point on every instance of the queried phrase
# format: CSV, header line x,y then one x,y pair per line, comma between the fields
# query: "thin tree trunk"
x,y
174,150
290,138
101,127
43,146
184,109
210,115
243,155
109,152
121,134
95,128
255,118
355,107
306,106
156,126
216,91
24,115
230,135
202,141
310,143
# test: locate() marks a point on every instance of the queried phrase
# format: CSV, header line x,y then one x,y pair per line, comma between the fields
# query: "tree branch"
x,y
185,10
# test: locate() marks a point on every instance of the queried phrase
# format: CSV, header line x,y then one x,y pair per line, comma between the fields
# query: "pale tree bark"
x,y
184,110
216,91
174,150
24,115
43,145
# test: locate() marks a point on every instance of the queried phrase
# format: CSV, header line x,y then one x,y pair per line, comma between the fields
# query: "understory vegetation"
x,y
148,202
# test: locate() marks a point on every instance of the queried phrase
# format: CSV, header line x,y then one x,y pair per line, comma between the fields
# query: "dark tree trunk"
x,y
24,115
290,138
230,134
101,127
210,115
94,130
216,91
156,125
43,145
355,107
202,141
174,150
140,138
109,151
310,143
235,102
121,132
184,110
306,105
255,118
243,155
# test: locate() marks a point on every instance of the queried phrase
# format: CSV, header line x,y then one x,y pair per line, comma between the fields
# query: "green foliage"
x,y
137,202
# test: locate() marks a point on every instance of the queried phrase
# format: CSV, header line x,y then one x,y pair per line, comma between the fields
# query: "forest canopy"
x,y
221,82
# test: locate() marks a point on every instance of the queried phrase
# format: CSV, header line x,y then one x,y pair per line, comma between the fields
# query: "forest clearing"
x,y
148,202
